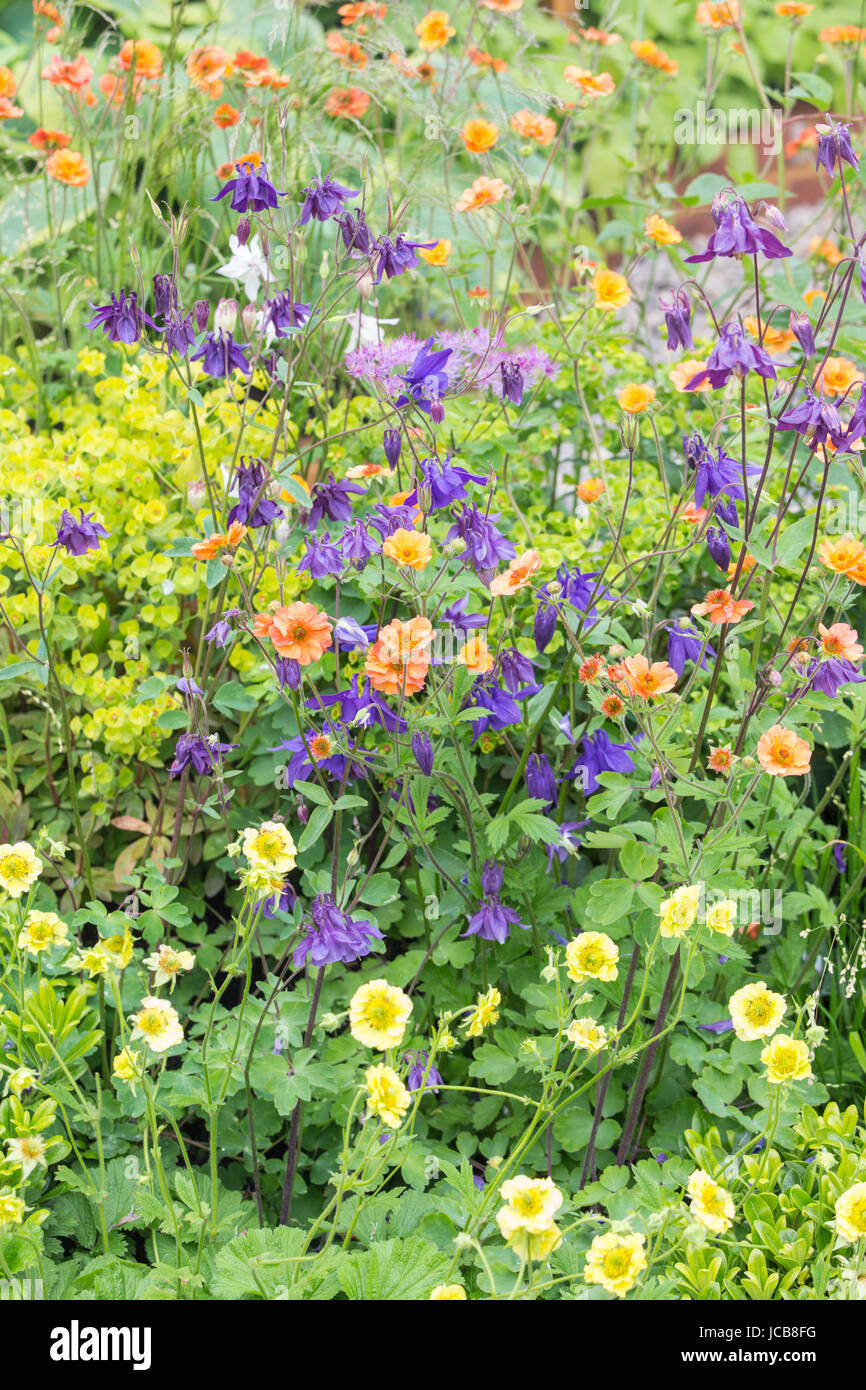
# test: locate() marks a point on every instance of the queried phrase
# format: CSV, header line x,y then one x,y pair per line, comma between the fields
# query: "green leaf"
x,y
315,827
394,1270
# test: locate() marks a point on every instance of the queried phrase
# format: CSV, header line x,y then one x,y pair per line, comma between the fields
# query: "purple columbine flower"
x,y
719,547
221,355
251,485
284,901
251,190
351,636
512,382
544,625
121,320
358,546
540,781
724,1025
322,558
737,234
187,686
493,921
201,756
492,878
422,751
323,198
392,443
288,672
446,483
361,706
331,498
355,232
801,328
487,549
386,520
567,846
517,673
827,676
418,1068
581,591
164,295
599,754
283,314
713,476
426,378
201,314
457,616
77,537
179,333
397,256
333,936
684,645
678,315
496,708
839,856
815,419
221,632
733,355
834,147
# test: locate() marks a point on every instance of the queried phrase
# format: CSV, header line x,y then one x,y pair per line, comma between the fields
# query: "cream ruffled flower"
x,y
711,1203
157,1023
786,1059
756,1011
378,1013
592,956
19,868
851,1213
387,1097
615,1261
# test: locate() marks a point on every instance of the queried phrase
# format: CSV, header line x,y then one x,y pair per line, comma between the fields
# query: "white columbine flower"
x,y
247,266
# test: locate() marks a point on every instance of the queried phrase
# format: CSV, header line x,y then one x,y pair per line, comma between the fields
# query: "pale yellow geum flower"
x,y
29,1151
166,964
157,1023
592,956
587,1034
448,1293
387,1097
756,1011
531,1205
19,868
722,916
679,911
41,932
786,1059
270,846
485,1013
378,1013
851,1212
711,1204
615,1261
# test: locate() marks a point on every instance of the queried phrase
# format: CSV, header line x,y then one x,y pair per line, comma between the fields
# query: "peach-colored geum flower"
x,y
682,372
43,139
482,192
517,576
530,125
648,52
720,606
479,135
504,6
721,760
434,30
207,67
773,339
69,167
783,753
8,110
718,16
590,489
347,101
590,84
301,632
840,640
410,549
73,76
398,661
837,375
646,681
438,254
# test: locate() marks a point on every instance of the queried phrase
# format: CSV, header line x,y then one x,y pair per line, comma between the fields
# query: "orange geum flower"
x,y
482,192
142,57
212,545
842,34
410,549
530,125
67,166
745,568
475,655
479,135
73,76
398,661
504,6
661,232
721,760
592,35
8,110
611,290
8,83
347,101
646,681
246,61
206,68
225,115
612,707
351,55
591,489
434,30
826,250
590,670
648,52
479,59
840,640
774,339
321,747
692,515
517,576
844,556
591,84
43,139
438,254
366,470
782,753
301,632
792,9
720,606
478,292
837,375
635,398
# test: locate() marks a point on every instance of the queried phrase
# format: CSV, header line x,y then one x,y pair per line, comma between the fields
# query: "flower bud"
x,y
226,316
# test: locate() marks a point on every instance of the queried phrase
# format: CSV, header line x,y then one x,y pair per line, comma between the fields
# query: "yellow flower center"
x,y
758,1010
153,1022
616,1262
13,866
